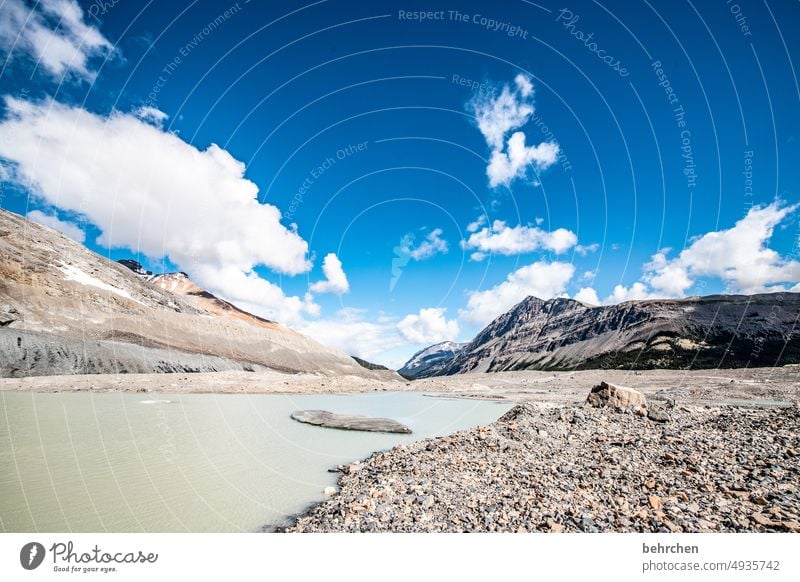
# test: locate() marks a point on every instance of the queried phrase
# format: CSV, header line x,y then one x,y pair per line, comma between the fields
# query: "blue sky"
x,y
365,185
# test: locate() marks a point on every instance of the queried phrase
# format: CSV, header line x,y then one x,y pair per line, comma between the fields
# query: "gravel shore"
x,y
551,468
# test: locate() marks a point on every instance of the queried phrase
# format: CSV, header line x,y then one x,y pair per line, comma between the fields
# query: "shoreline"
x,y
369,498
746,384
653,485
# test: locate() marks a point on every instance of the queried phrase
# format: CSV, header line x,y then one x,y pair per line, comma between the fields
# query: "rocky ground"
x,y
748,385
553,468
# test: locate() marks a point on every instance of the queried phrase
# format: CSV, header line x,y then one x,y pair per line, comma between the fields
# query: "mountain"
x,y
67,310
368,365
431,360
717,331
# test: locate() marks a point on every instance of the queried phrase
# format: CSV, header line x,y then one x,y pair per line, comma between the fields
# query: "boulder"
x,y
658,413
617,397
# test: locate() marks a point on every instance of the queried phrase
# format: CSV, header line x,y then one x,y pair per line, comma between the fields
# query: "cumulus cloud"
x,y
477,223
377,340
54,35
335,279
428,326
637,291
432,244
738,256
507,240
514,162
497,114
69,229
148,190
541,279
151,115
584,250
588,295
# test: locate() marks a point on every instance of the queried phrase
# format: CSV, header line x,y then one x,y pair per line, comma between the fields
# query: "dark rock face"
x,y
431,360
8,315
343,421
135,266
368,365
718,331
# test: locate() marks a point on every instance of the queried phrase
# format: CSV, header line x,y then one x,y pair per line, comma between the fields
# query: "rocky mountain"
x,y
368,365
67,310
431,360
717,331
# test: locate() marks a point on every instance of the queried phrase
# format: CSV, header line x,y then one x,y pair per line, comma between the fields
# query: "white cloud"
x,y
477,223
69,229
151,115
588,295
351,332
524,85
507,240
505,166
584,250
432,244
621,293
335,279
148,190
52,33
541,279
428,327
737,256
499,114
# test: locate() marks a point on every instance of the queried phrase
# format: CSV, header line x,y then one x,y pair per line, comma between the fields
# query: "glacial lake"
x,y
144,462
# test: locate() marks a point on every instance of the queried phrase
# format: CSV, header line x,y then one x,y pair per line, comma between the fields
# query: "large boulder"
x,y
617,397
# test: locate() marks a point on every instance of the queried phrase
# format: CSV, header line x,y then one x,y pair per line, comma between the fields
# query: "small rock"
x,y
658,413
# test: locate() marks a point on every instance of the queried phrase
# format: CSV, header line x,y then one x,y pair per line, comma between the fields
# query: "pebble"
x,y
710,468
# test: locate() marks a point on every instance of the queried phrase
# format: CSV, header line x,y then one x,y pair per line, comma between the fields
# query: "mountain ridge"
x,y
67,310
715,331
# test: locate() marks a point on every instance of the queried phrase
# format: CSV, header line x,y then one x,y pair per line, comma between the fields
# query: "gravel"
x,y
551,468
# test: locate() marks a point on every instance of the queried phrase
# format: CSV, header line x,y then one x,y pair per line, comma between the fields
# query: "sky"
x,y
386,175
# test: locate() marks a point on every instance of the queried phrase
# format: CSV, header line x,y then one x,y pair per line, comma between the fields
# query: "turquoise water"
x,y
126,462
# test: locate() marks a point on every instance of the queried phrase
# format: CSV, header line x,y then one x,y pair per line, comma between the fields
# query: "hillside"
x,y
67,310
